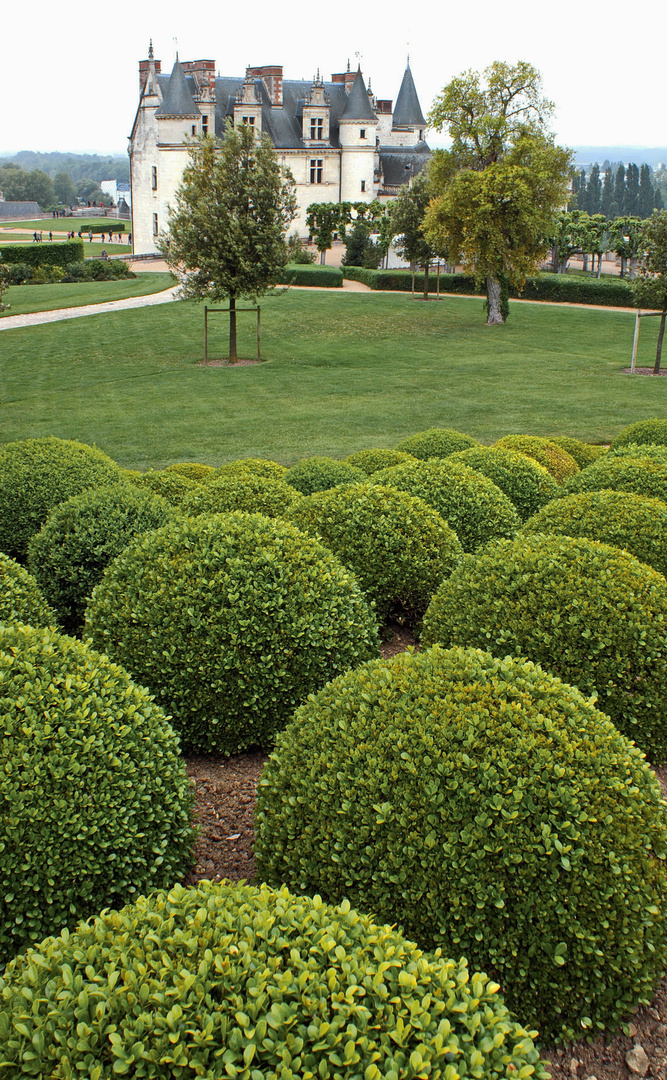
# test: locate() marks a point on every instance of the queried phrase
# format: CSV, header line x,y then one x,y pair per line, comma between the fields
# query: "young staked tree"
x,y
650,284
499,185
226,235
407,215
325,219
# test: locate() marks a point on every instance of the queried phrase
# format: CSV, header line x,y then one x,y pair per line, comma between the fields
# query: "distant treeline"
x,y
56,180
617,190
95,167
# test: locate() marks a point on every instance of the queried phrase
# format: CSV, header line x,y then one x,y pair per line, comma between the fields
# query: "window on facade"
x,y
421,134
155,225
154,177
249,120
362,133
194,129
316,127
316,165
204,125
363,185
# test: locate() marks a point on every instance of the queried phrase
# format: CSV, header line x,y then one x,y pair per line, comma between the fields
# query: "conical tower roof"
x,y
357,106
408,111
178,100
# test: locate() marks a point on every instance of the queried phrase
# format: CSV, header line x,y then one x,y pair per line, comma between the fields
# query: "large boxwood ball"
x,y
321,473
651,451
20,597
258,466
242,491
193,470
398,547
95,802
620,518
583,453
590,613
374,459
80,538
555,460
435,443
474,507
645,431
490,810
36,475
527,484
641,475
220,980
231,621
172,486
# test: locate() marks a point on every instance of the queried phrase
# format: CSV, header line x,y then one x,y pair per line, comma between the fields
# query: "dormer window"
x,y
316,128
362,133
249,120
204,125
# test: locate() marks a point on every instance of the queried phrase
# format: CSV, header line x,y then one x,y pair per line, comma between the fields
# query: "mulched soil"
x,y
227,363
225,791
641,371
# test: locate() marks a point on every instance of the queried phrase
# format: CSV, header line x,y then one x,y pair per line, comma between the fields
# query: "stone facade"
x,y
339,141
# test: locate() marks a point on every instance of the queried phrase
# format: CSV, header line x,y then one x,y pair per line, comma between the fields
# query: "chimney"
x,y
272,77
203,72
145,66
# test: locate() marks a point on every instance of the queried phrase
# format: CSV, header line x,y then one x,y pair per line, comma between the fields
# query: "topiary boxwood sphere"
x,y
645,431
435,443
398,547
258,466
650,451
554,459
372,460
321,473
20,598
242,491
223,980
492,811
95,802
620,518
583,453
193,470
640,475
231,621
81,536
527,484
590,613
172,486
36,475
473,506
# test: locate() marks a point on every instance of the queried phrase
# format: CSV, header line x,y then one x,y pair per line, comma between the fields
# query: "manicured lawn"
x,y
25,298
64,224
91,250
345,371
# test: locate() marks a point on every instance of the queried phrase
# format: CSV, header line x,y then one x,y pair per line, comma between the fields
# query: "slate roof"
x,y
177,99
407,111
358,106
398,165
10,210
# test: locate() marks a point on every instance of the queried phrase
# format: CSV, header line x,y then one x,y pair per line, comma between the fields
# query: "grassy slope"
x,y
26,298
347,371
64,224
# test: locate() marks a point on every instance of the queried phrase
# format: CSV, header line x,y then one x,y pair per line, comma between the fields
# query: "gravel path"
x,y
33,318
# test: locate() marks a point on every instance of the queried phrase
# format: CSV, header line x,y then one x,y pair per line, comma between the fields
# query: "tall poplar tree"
x,y
498,186
593,191
607,193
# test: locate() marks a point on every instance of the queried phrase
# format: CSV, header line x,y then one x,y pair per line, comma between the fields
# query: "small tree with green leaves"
x,y
568,237
226,235
407,215
650,284
626,235
4,285
325,219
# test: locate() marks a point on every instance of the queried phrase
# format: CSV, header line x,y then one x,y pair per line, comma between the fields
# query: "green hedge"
x,y
61,254
648,432
374,459
583,453
555,460
644,476
20,596
492,811
526,483
240,981
193,470
256,466
95,798
321,473
241,491
328,277
104,226
555,287
592,614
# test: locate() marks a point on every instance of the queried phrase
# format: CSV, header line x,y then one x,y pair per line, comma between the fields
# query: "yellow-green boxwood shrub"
x,y
82,535
583,453
555,460
645,431
650,451
258,466
36,475
472,505
254,983
242,491
20,597
492,811
527,484
172,486
641,475
193,470
95,801
590,613
435,443
231,620
374,459
398,547
620,518
321,473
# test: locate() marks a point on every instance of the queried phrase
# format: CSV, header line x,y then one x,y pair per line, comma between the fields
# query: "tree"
x,y
578,196
325,219
226,234
646,197
593,191
607,192
568,237
499,185
620,192
631,191
20,186
650,284
626,235
597,238
407,215
357,244
63,188
5,281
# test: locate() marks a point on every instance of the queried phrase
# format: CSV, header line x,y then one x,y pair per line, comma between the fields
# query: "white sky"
x,y
69,77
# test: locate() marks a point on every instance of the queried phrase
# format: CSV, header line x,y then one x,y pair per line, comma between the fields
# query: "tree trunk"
x,y
233,356
554,259
323,256
585,263
633,268
426,266
661,334
412,270
599,264
562,265
493,292
624,263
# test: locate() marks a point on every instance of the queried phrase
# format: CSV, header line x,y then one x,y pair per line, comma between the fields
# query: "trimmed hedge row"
x,y
61,254
328,277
